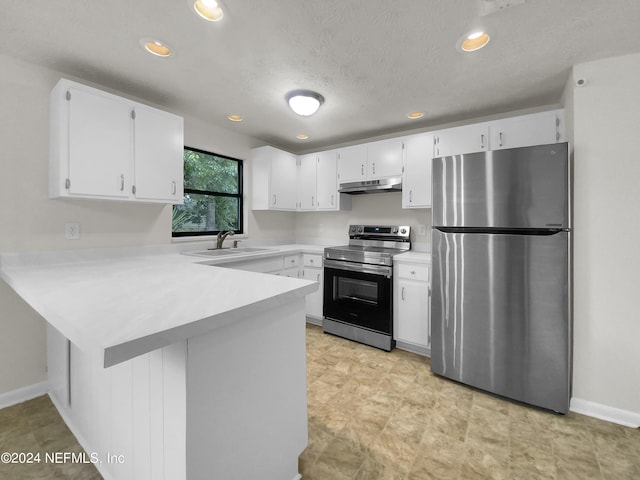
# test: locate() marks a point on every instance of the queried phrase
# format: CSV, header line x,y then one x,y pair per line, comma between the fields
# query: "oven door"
x,y
358,294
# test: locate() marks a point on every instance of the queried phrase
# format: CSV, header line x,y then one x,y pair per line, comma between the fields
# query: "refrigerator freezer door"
x,y
514,188
500,314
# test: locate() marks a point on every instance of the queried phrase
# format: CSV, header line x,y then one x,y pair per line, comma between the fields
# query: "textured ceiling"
x,y
373,60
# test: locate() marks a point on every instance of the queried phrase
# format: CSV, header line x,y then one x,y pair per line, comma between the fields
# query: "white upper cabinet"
x,y
274,179
352,163
307,182
94,154
96,139
526,130
370,161
158,155
416,179
459,140
522,131
327,186
384,158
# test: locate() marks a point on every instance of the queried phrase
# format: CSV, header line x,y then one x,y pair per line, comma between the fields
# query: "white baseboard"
x,y
605,412
314,321
23,394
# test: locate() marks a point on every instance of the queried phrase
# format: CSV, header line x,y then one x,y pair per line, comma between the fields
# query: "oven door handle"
x,y
359,267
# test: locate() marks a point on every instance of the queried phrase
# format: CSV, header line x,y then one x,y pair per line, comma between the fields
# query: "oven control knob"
x,y
394,230
403,231
353,228
360,229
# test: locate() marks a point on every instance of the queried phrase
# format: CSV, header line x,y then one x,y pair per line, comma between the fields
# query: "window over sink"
x,y
212,195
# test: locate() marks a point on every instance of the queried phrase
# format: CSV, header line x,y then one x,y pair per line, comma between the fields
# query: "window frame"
x,y
239,196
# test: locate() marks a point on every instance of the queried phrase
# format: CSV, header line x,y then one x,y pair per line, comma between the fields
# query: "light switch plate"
x,y
72,231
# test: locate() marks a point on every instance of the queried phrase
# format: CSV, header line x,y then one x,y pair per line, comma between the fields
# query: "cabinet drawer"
x,y
312,260
291,261
413,271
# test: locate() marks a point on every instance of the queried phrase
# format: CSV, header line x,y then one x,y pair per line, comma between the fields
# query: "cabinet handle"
x,y
332,197
482,141
174,187
374,168
313,201
500,136
311,260
412,272
318,278
122,182
362,169
410,196
402,293
274,198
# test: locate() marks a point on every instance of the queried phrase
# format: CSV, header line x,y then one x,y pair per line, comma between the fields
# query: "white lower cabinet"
x,y
312,270
291,266
411,307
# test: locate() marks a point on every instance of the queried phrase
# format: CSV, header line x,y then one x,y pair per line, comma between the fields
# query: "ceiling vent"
x,y
487,7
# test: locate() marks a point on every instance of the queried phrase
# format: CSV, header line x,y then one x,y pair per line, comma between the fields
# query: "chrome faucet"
x,y
221,237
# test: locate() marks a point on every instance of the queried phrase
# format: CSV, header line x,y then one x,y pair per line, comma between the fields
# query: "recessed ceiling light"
x,y
209,10
415,115
156,47
473,41
304,102
302,136
235,118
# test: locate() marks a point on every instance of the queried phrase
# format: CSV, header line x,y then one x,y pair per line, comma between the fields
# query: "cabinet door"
x,y
158,155
416,181
283,180
328,198
100,145
384,158
459,140
313,301
524,131
413,313
352,163
306,184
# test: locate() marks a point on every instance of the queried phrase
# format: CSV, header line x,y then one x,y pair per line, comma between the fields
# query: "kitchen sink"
x,y
220,252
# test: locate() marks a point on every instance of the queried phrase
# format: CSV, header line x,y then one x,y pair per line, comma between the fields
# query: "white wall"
x,y
606,117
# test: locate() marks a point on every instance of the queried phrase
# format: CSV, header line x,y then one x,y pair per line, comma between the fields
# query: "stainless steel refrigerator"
x,y
500,305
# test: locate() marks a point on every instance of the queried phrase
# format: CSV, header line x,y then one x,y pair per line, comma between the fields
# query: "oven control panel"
x,y
395,232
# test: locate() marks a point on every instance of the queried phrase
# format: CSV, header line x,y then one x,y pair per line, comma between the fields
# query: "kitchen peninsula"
x,y
175,368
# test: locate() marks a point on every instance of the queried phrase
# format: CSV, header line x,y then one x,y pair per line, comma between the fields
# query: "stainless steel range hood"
x,y
371,186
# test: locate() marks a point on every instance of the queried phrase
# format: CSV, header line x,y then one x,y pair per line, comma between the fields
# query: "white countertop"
x,y
413,256
126,302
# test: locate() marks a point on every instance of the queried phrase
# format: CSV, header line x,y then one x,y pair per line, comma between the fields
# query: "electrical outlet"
x,y
72,231
422,230
321,227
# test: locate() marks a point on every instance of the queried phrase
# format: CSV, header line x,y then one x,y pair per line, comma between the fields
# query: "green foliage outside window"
x,y
212,195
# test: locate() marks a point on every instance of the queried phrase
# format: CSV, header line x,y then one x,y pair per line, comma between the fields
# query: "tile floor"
x,y
35,426
383,416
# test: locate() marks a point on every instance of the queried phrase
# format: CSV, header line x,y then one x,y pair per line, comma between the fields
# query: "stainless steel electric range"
x,y
358,284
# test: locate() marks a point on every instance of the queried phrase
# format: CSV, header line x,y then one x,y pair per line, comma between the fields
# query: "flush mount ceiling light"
x,y
473,41
156,47
415,115
210,10
302,136
235,118
304,102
